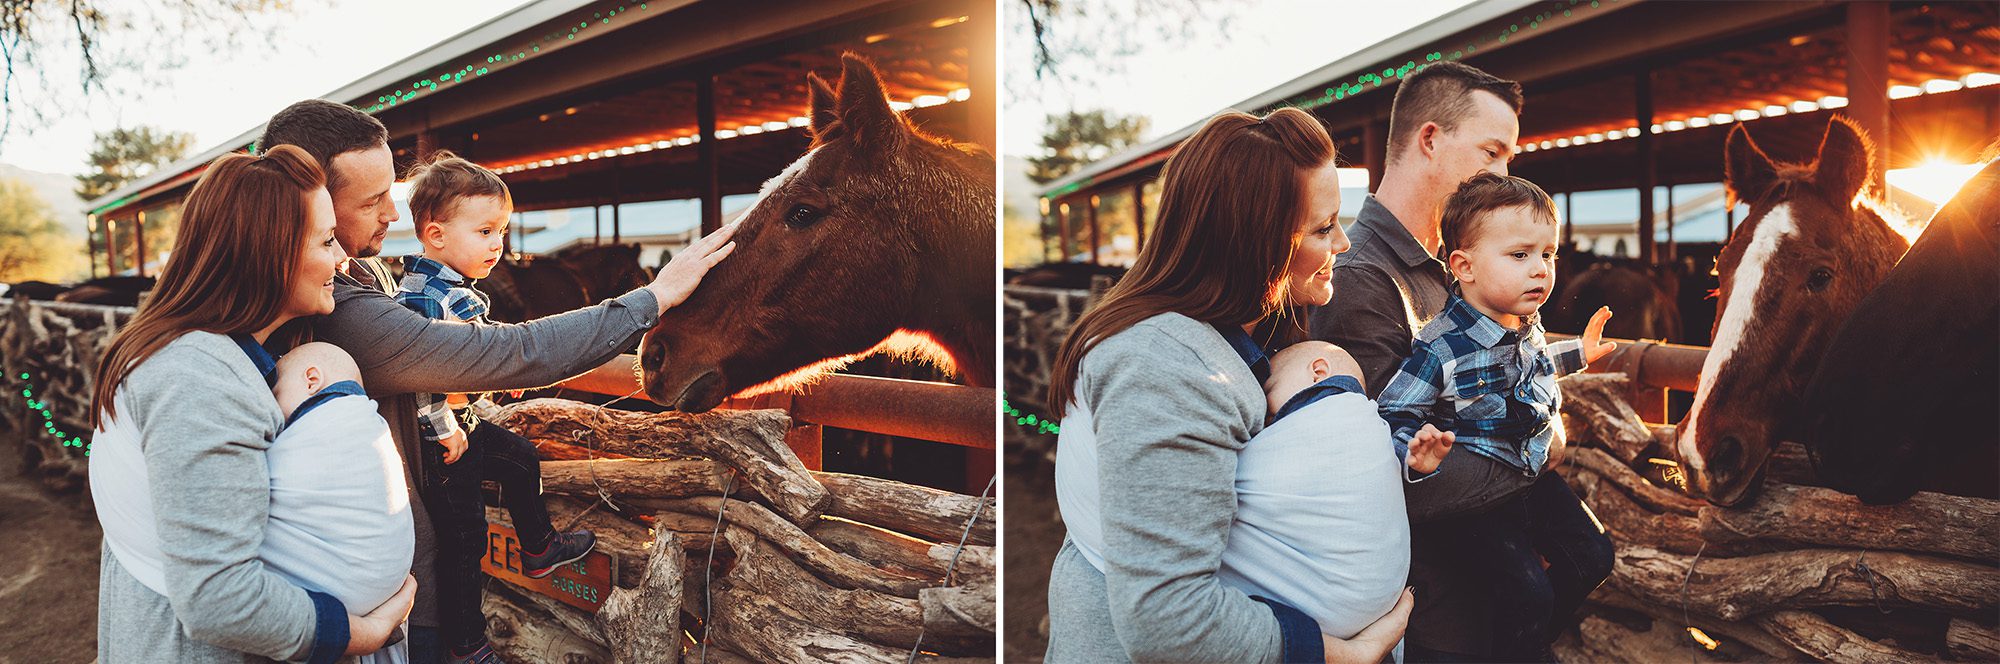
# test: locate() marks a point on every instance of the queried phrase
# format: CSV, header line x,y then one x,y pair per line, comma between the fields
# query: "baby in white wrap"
x,y
1320,524
340,514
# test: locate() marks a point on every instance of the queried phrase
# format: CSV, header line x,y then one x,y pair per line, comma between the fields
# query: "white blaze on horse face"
x,y
1736,317
777,181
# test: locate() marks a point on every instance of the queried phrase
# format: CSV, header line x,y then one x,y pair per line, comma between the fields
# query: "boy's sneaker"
x,y
562,548
482,655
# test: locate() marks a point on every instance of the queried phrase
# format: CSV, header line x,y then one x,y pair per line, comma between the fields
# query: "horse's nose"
x,y
1726,455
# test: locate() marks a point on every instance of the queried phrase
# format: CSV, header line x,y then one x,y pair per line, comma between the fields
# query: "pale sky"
x,y
218,96
1179,83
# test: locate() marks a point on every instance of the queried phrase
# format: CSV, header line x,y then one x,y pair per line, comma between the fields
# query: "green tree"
x,y
32,244
1074,139
113,45
123,155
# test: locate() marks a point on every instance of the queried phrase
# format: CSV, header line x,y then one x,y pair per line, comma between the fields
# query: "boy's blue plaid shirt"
x,y
437,292
1492,387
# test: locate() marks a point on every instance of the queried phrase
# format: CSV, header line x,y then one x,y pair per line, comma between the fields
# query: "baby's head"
x,y
1502,234
460,210
1300,365
309,368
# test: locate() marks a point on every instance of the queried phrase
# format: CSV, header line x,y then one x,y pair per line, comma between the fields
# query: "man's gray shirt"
x,y
1384,287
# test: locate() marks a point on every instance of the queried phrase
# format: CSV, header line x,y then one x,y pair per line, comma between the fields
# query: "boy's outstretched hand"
x,y
1594,345
1428,448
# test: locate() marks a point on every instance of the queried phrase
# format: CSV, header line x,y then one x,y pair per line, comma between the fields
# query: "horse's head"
x,y
867,234
1808,251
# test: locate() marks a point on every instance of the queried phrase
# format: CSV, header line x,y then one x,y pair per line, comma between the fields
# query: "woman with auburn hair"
x,y
183,417
1158,388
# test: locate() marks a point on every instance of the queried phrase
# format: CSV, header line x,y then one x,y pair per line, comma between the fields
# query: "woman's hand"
x,y
1376,640
678,278
367,634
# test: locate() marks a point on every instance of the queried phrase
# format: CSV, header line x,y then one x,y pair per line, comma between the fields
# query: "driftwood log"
x,y
1737,588
1791,575
751,443
1971,641
921,511
1593,407
1811,516
643,623
1827,642
868,580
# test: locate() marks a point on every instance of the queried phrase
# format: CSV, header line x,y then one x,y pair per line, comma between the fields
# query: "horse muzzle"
x,y
698,395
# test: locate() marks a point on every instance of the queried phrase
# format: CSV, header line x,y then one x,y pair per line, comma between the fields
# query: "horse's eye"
x,y
1819,279
802,215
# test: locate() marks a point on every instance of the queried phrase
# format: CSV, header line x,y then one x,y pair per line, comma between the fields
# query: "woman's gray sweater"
x,y
1161,411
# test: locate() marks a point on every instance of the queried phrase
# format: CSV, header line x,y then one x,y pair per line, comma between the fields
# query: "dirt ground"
x,y
48,596
1034,532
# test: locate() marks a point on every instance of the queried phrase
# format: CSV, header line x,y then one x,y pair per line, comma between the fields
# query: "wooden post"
x,y
596,224
1642,89
1375,150
711,178
617,169
1139,215
1868,78
1090,217
110,247
90,242
1569,220
1062,218
1671,246
139,243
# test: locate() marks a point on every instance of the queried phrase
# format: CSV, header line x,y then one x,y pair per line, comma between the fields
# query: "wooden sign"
x,y
584,584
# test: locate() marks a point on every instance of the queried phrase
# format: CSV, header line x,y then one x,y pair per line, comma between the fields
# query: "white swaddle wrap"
x,y
340,514
339,522
1320,522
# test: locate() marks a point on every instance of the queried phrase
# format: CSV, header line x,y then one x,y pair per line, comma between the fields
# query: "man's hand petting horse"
x,y
679,276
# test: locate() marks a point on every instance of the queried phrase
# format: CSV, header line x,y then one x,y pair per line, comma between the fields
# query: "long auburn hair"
x,y
243,231
1231,199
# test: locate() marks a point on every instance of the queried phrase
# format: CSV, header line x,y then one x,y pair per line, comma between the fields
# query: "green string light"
x,y
439,79
1026,419
1373,79
65,438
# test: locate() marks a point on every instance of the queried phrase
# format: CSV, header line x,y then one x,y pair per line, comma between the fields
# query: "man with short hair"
x,y
402,353
1447,122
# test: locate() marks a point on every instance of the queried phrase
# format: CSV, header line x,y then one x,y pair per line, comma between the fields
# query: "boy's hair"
x,y
1441,93
324,130
1466,211
437,185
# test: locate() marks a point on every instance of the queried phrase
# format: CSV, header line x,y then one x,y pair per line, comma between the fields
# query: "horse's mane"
x,y
833,131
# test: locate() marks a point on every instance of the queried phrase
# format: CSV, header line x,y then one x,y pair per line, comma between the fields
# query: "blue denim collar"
x,y
345,388
1253,355
1331,386
266,365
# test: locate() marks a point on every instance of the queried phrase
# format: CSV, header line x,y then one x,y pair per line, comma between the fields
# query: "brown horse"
x,y
1905,400
608,270
879,238
525,288
1810,248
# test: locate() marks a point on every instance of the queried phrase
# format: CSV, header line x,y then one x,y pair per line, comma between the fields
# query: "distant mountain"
x,y
58,191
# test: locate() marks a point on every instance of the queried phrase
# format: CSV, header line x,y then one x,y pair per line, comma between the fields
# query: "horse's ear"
x,y
823,99
1747,172
864,107
1845,158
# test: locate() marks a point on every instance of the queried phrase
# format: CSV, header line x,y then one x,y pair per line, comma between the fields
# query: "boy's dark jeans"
x,y
1506,546
451,491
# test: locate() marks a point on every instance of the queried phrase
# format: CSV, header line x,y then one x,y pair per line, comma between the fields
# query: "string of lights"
x,y
1027,419
49,427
